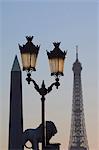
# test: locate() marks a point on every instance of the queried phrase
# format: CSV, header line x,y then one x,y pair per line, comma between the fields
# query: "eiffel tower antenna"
x,y
76,52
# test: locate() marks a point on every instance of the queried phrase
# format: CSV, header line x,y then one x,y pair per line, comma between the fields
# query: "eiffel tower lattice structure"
x,y
78,136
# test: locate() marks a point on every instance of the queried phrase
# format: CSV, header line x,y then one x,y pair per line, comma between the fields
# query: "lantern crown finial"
x,y
56,44
29,38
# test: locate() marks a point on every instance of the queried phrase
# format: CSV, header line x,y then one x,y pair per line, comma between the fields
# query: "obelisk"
x,y
16,114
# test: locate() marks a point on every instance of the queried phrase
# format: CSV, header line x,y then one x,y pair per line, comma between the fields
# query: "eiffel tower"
x,y
78,136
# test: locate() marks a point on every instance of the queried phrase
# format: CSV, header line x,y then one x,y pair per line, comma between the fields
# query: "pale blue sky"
x,y
73,23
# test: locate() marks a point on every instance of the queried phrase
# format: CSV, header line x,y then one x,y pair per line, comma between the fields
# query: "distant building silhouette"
x,y
78,137
16,116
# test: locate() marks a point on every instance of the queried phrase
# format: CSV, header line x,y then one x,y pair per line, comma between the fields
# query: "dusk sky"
x,y
71,22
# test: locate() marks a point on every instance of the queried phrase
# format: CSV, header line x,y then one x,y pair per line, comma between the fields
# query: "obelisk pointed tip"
x,y
16,66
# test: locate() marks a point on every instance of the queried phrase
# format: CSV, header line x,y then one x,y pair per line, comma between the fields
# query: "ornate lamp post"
x,y
29,53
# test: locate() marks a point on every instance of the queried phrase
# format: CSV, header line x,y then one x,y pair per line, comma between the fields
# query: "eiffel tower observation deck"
x,y
78,136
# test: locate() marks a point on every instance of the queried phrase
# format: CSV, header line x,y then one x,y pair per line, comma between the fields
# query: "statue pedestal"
x,y
54,146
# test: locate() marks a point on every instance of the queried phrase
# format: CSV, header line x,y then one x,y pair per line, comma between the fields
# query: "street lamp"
x,y
29,53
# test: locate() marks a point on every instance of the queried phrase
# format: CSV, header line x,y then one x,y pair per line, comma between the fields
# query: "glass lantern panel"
x,y
51,65
61,65
25,60
33,60
56,61
54,65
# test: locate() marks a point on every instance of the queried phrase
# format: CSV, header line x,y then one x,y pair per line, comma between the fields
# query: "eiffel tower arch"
x,y
78,136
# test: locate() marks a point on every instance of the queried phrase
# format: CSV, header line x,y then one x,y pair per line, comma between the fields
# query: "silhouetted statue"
x,y
35,135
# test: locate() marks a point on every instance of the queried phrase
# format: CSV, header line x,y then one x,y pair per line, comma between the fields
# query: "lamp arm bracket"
x,y
36,85
50,87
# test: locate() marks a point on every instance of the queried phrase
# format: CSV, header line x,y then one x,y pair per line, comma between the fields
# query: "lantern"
x,y
29,53
56,60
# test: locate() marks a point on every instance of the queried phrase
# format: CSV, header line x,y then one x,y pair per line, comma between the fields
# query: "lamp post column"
x,y
43,121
